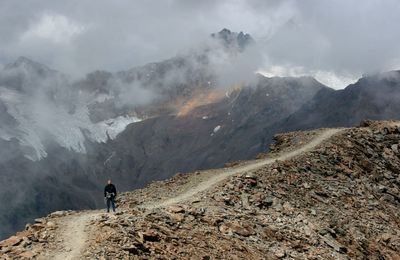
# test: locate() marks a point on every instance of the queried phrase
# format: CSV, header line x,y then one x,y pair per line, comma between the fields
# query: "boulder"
x,y
238,228
27,254
12,241
176,209
149,235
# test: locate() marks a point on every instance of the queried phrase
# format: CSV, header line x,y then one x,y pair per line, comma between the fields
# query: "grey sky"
x,y
335,41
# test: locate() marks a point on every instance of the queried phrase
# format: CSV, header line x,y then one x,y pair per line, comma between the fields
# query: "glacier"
x,y
40,120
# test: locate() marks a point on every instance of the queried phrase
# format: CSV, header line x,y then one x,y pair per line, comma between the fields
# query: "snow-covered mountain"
x,y
41,105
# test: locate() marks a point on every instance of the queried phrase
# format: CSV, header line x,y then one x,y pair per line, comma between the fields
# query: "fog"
x,y
341,39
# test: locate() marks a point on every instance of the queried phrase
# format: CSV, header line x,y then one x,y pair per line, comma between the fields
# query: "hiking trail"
x,y
75,230
254,165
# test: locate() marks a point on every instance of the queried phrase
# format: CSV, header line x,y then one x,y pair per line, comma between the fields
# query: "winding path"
x,y
74,231
254,165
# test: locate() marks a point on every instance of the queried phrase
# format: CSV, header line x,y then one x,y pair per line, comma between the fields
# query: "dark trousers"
x,y
110,201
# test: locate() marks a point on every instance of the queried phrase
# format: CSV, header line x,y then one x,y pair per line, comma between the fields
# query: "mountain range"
x,y
62,138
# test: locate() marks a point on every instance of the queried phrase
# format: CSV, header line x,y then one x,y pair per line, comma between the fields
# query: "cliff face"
x,y
332,194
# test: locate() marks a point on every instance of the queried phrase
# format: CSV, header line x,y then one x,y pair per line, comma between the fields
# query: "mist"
x,y
340,39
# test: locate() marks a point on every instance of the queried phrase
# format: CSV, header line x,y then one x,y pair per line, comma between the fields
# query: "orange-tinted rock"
x,y
176,209
27,254
12,241
235,227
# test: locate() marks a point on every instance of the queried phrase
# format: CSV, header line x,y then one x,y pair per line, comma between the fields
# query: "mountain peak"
x,y
233,39
29,65
23,61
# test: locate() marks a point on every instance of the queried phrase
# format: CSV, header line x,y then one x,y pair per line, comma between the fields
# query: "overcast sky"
x,y
335,41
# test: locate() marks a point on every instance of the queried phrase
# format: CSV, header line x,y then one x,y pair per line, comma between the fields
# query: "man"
x,y
110,192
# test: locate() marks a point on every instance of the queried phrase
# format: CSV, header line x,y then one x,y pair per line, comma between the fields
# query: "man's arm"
x,y
105,193
115,190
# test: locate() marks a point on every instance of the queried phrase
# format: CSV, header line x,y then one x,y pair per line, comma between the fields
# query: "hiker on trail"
x,y
110,192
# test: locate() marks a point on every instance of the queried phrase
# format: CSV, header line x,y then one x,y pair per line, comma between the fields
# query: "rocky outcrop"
x,y
34,240
231,39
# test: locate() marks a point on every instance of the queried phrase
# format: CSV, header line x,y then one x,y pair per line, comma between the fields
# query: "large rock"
x,y
12,241
238,228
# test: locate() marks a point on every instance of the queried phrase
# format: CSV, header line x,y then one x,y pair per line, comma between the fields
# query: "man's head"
x,y
109,181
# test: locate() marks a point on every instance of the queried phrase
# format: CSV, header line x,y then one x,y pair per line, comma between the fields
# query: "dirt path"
x,y
75,229
224,173
73,232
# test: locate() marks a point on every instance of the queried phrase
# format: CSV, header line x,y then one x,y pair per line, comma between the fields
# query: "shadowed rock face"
x,y
372,97
232,39
237,127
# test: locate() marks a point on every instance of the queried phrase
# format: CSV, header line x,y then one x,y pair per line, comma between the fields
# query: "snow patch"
x,y
115,126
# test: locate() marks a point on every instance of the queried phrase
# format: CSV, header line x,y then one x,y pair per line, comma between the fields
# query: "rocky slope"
x,y
61,139
339,200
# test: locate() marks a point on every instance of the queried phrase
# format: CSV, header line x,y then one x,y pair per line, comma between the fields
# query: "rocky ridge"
x,y
339,201
190,124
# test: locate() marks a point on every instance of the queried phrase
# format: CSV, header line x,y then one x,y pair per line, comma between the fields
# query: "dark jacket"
x,y
110,188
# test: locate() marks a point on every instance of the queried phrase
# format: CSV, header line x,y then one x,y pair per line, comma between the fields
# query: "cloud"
x,y
329,78
53,27
340,37
132,94
234,68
